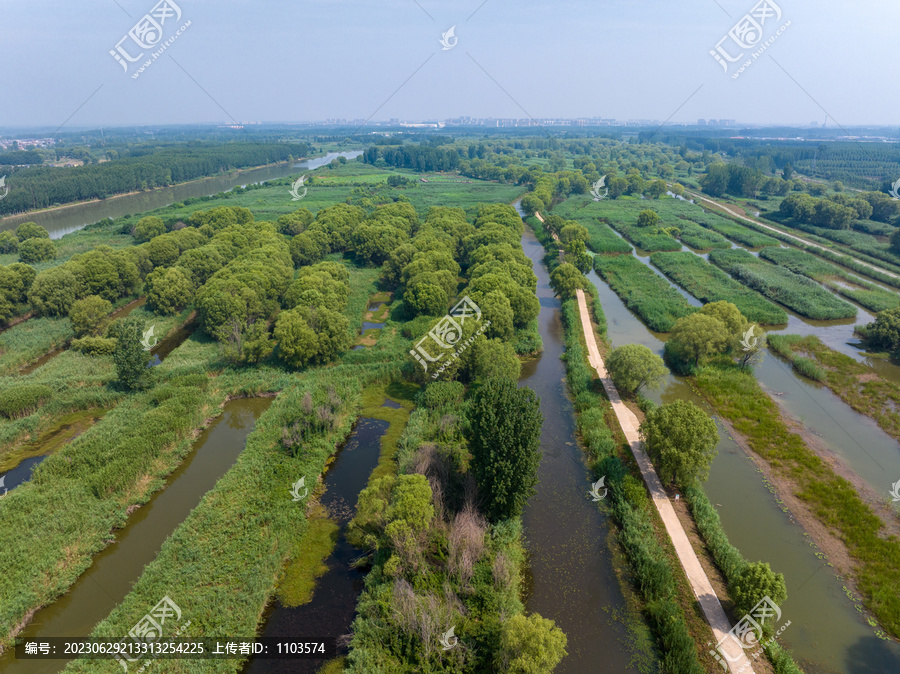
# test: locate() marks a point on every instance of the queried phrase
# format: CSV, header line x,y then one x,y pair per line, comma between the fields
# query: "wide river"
x,y
66,219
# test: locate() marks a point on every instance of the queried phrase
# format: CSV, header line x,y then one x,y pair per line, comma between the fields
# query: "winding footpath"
x,y
799,239
702,588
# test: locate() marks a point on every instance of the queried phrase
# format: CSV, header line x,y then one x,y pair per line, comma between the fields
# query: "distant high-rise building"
x,y
701,122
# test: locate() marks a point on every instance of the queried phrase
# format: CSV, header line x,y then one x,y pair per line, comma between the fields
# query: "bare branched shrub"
x,y
466,539
307,404
334,399
423,459
425,616
324,418
447,426
437,499
501,571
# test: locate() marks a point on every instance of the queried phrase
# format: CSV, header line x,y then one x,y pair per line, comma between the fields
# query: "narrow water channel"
x,y
22,472
827,635
68,219
572,574
332,608
114,570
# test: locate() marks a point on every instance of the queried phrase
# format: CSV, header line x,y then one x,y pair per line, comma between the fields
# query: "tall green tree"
x,y
504,437
634,366
648,218
755,582
169,289
89,315
681,439
131,359
530,645
700,335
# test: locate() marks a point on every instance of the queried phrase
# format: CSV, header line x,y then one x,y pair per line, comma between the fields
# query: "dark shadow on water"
x,y
871,655
20,474
333,606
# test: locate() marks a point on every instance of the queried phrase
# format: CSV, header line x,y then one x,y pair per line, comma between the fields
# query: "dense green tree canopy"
x,y
169,290
530,645
700,335
756,582
148,228
311,335
504,440
54,291
31,230
131,359
36,250
681,439
9,242
884,333
633,367
89,315
566,279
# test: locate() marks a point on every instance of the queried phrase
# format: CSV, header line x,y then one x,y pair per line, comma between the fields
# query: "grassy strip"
x,y
83,492
856,384
730,562
26,342
826,253
732,230
649,296
709,284
800,262
221,564
655,577
738,397
645,238
584,211
605,240
781,344
858,242
79,383
699,238
796,292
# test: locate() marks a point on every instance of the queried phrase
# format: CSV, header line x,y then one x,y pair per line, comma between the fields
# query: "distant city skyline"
x,y
761,63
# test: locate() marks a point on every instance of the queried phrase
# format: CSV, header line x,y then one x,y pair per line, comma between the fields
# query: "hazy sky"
x,y
306,60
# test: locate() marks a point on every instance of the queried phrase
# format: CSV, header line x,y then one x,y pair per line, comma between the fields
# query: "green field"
x,y
872,297
709,284
699,238
644,292
584,211
796,292
732,230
